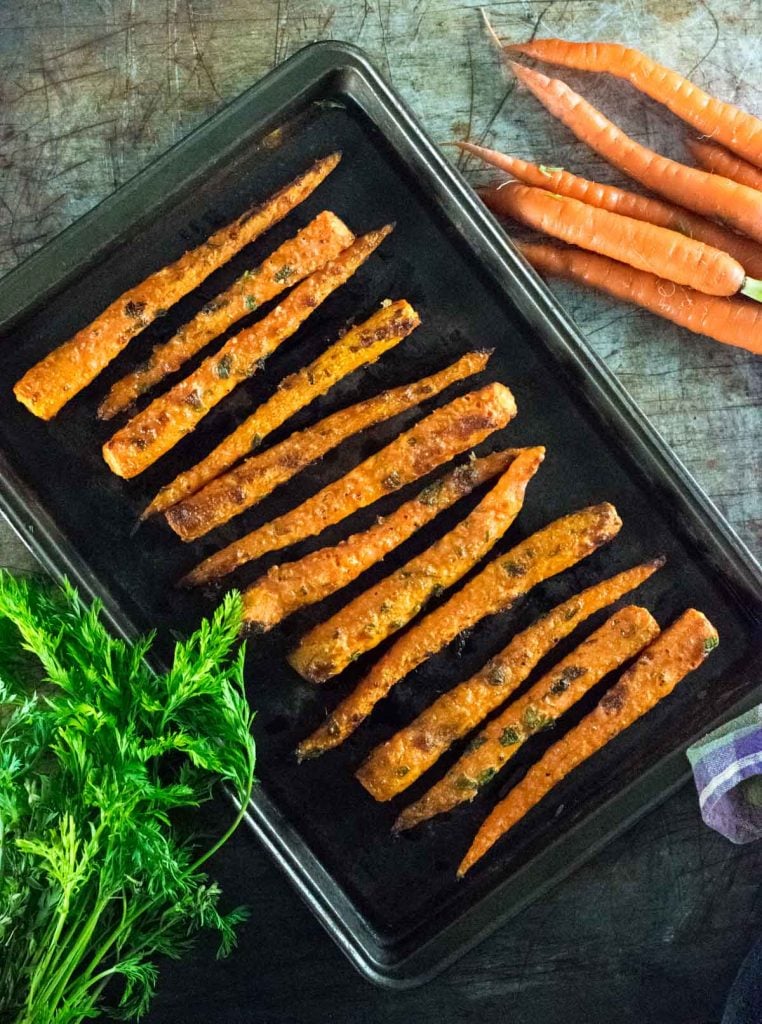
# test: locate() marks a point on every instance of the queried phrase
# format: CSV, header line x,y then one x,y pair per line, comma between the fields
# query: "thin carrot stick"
x,y
619,200
360,346
729,125
444,433
644,246
317,243
397,763
173,415
290,586
620,638
708,194
556,547
388,606
255,478
62,374
681,648
718,160
730,321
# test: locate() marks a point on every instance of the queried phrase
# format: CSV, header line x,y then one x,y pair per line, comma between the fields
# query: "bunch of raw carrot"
x,y
693,256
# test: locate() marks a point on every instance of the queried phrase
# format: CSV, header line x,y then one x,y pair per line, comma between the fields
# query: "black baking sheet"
x,y
392,904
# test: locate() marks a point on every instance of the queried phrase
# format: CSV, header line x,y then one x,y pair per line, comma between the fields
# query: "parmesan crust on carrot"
x,y
290,586
443,434
155,430
360,346
56,379
677,651
397,763
321,240
620,638
255,478
556,547
386,607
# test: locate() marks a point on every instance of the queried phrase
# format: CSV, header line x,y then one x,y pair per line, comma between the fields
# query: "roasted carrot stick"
x,y
292,585
397,763
717,160
158,428
619,200
677,651
62,374
729,125
620,638
549,551
255,478
644,246
444,433
708,194
321,240
731,321
360,346
385,608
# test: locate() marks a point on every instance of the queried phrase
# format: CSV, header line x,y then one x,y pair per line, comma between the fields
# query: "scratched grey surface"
x,y
92,90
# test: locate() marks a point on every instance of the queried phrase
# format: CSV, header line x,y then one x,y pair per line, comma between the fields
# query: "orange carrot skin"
x,y
255,478
619,200
170,417
317,243
56,379
680,649
385,608
707,194
544,554
620,638
397,763
729,125
644,246
735,321
286,588
718,160
444,433
360,346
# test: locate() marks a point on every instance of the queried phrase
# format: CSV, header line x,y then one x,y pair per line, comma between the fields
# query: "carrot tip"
x,y
752,289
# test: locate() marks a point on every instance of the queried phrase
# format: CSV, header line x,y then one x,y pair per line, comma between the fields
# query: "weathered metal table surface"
x,y
91,91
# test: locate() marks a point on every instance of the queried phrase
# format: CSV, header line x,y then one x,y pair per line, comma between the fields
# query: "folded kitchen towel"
x,y
727,767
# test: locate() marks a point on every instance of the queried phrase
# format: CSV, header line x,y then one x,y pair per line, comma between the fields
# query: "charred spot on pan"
x,y
509,736
223,366
514,568
613,701
564,680
282,275
392,481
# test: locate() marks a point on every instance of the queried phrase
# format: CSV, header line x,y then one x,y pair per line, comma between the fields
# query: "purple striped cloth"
x,y
727,767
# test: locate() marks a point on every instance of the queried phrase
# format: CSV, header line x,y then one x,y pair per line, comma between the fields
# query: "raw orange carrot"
x,y
256,477
620,638
292,585
397,763
728,124
619,200
62,374
718,160
731,321
388,606
436,439
321,240
708,194
557,546
158,428
360,346
677,651
644,246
